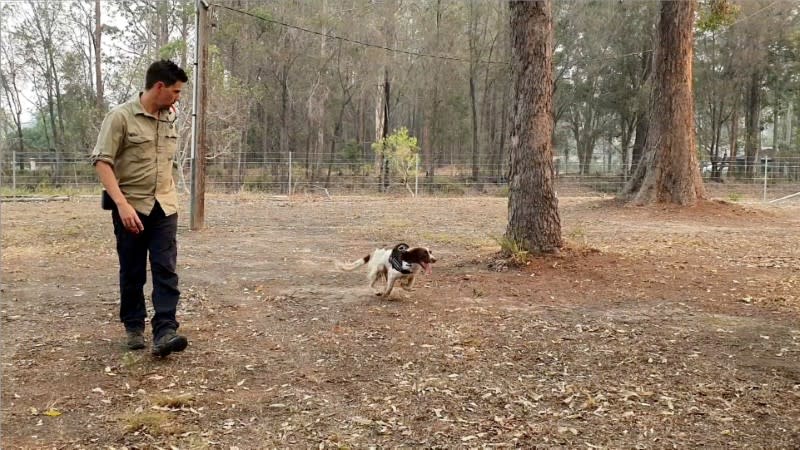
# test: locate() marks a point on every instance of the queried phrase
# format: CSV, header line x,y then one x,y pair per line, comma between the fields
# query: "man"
x,y
134,160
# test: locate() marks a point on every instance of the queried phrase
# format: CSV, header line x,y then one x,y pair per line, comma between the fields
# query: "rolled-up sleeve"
x,y
109,139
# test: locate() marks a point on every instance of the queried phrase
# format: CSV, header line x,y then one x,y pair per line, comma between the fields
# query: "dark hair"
x,y
165,71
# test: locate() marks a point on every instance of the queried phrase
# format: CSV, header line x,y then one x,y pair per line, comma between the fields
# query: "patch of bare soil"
x,y
656,327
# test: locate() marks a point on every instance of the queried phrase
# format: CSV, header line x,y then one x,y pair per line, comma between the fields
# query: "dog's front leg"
x,y
409,284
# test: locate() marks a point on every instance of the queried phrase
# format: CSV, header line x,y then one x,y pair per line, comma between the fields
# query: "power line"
x,y
390,49
354,41
754,14
451,58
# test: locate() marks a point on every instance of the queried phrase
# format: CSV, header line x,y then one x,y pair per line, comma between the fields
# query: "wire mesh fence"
x,y
28,174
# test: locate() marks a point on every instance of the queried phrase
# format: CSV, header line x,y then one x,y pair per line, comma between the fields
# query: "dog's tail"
x,y
350,266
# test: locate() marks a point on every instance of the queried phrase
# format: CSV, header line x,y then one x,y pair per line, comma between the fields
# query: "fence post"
x,y
14,173
766,162
416,176
290,175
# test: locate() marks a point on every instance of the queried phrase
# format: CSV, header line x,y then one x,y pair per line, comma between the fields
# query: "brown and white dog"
x,y
396,263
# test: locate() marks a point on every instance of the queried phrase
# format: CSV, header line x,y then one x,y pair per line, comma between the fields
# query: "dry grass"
x,y
174,401
153,422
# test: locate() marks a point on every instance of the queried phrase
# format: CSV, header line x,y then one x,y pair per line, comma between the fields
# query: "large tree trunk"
x,y
533,220
669,170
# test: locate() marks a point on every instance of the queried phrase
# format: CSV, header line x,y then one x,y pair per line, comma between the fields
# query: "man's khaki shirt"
x,y
141,149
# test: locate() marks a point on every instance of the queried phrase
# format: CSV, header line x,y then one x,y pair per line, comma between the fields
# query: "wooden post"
x,y
13,172
199,102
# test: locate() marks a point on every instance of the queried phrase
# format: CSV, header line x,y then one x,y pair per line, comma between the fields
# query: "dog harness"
x,y
398,264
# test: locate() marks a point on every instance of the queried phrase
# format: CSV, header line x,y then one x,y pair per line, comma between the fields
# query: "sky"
x,y
110,47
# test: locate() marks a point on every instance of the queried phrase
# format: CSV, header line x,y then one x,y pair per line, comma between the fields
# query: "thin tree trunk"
x,y
386,99
733,132
504,119
337,135
284,133
14,104
378,162
752,123
642,125
434,152
475,148
98,55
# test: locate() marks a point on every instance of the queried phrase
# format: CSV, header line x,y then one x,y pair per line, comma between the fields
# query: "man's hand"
x,y
129,218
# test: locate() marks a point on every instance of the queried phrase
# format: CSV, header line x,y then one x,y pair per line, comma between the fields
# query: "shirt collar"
x,y
166,113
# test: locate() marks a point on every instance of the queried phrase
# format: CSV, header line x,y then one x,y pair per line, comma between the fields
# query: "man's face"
x,y
168,95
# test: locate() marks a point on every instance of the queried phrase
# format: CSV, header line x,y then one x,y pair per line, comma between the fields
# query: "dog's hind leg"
x,y
375,276
372,278
390,280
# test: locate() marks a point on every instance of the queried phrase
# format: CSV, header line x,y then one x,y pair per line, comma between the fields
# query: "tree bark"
x,y
733,132
434,152
533,220
98,67
12,94
475,151
642,125
669,171
386,99
752,123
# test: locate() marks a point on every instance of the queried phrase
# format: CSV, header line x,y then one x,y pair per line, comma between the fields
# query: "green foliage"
x,y
402,152
351,152
717,14
173,49
512,249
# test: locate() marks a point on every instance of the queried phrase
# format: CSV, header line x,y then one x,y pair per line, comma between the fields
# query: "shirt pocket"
x,y
171,142
139,147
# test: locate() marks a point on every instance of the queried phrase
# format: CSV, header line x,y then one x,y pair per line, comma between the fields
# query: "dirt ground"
x,y
657,328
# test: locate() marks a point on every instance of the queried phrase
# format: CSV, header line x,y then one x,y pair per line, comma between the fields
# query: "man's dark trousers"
x,y
159,240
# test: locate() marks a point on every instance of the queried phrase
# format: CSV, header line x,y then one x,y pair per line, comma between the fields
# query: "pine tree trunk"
x,y
669,170
533,219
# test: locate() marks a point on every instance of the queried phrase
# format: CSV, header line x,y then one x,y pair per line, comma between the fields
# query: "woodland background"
x,y
307,81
